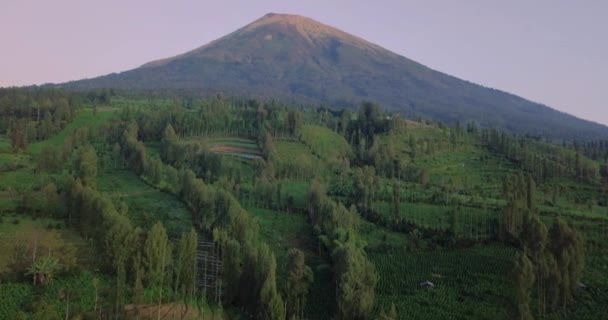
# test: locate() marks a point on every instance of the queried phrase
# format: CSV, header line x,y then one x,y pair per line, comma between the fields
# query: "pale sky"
x,y
553,52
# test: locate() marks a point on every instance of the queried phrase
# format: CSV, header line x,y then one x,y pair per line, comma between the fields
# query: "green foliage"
x,y
186,263
523,272
357,280
157,253
44,270
299,278
86,167
15,297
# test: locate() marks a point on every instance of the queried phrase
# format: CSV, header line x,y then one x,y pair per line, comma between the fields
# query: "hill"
x,y
297,59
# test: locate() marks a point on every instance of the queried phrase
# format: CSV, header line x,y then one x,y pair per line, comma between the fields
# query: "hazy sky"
x,y
553,52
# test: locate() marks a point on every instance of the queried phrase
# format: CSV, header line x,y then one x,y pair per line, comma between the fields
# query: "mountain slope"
x,y
298,59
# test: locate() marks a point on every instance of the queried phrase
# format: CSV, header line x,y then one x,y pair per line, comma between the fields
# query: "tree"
x,y
568,249
424,177
138,285
604,173
157,254
157,257
44,270
357,280
232,268
186,264
86,167
18,134
396,201
271,304
299,278
523,272
53,199
169,152
294,123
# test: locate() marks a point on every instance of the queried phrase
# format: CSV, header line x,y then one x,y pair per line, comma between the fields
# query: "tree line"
x,y
33,114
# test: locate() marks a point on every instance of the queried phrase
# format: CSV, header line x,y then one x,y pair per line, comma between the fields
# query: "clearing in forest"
x,y
233,146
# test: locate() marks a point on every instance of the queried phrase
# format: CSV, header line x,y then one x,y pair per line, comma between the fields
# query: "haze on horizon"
x,y
548,52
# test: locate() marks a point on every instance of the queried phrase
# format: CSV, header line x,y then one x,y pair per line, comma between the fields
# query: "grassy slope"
x,y
146,204
85,118
326,143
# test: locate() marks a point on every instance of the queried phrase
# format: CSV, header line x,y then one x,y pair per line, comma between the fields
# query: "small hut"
x,y
427,285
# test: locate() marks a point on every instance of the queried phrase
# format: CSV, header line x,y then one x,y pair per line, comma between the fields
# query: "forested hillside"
x,y
143,207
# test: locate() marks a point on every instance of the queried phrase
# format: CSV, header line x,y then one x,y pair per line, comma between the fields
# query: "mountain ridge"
x,y
295,58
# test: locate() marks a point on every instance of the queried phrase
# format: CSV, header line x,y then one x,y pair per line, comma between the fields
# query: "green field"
x,y
325,142
84,118
146,204
469,221
296,189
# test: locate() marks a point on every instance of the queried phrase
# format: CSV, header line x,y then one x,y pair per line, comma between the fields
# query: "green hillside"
x,y
196,208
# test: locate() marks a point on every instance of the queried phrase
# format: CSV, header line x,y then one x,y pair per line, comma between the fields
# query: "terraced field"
x,y
232,146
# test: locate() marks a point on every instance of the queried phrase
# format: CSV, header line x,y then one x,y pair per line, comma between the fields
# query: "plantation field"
x,y
438,217
376,236
469,284
146,204
239,147
465,170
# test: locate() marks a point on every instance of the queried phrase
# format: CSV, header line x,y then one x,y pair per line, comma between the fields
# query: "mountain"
x,y
295,58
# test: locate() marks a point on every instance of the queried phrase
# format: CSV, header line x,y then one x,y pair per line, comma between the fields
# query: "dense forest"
x,y
138,207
